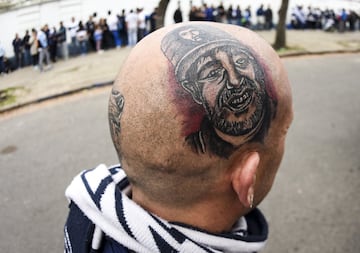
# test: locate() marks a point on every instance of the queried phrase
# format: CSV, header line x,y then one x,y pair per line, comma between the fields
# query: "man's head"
x,y
197,112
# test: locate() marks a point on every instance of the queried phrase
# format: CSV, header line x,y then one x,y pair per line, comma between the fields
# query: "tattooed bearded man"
x,y
198,116
224,76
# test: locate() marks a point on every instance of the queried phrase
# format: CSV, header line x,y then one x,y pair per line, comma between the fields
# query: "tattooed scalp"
x,y
116,106
225,77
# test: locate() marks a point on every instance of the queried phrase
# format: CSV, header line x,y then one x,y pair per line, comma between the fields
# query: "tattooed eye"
x,y
214,73
242,62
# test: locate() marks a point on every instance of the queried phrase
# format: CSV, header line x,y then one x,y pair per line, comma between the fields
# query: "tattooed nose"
x,y
234,82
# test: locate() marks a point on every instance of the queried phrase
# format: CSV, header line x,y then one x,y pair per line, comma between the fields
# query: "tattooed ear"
x,y
193,89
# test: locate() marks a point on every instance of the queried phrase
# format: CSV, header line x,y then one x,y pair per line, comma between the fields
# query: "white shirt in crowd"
x,y
73,27
112,22
132,20
142,20
41,37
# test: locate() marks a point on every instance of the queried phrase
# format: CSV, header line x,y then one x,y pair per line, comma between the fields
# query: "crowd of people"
x,y
43,47
327,19
309,18
231,15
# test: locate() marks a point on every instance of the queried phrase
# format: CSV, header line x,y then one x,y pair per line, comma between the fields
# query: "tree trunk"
x,y
161,12
280,38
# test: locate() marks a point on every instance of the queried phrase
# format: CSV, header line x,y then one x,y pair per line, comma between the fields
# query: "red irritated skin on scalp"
x,y
193,112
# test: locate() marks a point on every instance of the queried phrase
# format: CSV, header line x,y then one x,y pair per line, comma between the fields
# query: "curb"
x,y
108,83
325,52
63,94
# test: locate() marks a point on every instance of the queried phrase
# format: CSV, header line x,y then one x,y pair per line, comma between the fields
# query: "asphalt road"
x,y
314,204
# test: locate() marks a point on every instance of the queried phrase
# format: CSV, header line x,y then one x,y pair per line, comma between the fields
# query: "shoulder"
x,y
110,246
78,231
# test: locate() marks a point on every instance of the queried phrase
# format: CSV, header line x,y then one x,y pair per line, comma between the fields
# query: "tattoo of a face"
x,y
225,77
116,106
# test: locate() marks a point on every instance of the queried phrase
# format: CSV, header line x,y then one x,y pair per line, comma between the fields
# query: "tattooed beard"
x,y
239,101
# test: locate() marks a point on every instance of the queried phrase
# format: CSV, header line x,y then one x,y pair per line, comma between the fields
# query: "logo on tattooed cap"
x,y
224,76
188,40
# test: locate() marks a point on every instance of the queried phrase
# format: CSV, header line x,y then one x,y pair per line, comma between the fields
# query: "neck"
x,y
211,216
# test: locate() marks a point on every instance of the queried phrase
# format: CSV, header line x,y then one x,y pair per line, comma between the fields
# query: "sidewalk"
x,y
27,86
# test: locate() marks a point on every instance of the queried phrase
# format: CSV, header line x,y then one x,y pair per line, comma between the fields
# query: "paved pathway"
x,y
93,70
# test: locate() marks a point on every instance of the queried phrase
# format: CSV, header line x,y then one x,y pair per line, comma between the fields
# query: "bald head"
x,y
190,101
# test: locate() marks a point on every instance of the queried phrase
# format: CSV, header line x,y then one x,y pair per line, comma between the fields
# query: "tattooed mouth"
x,y
239,101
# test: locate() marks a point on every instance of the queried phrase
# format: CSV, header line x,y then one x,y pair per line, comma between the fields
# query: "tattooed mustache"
x,y
238,99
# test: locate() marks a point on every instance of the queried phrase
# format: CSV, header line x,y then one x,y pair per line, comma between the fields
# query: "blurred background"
x,y
53,118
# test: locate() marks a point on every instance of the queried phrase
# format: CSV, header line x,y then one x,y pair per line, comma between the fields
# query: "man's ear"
x,y
243,178
193,89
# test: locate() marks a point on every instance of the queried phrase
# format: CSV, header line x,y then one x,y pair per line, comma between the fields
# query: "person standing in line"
x,y
43,48
238,15
53,42
17,46
343,17
61,37
353,19
113,27
310,22
260,17
34,49
178,18
247,17
229,15
73,27
81,36
141,24
153,20
46,30
122,29
26,45
221,13
298,17
98,35
90,29
196,14
268,18
106,34
132,26
209,12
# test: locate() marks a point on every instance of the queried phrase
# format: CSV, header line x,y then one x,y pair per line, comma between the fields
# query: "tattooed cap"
x,y
189,39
